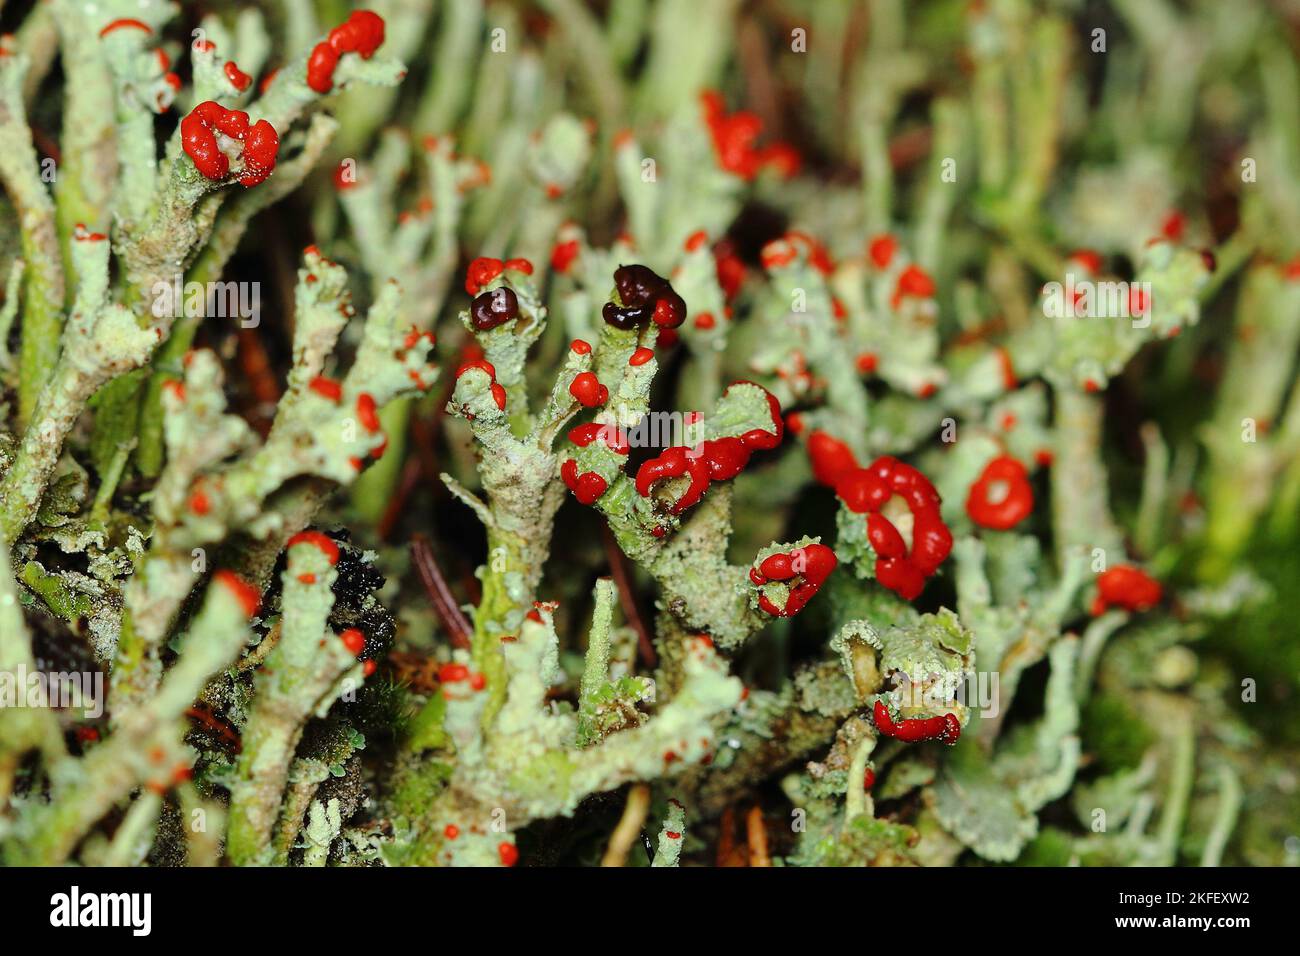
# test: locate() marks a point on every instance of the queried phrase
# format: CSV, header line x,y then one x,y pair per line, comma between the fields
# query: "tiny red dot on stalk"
x,y
366,412
580,346
199,502
881,250
508,853
353,640
563,255
327,388
237,77
249,597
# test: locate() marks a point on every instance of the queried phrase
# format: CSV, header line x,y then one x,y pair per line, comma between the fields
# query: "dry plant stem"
x,y
756,837
629,827
435,585
627,598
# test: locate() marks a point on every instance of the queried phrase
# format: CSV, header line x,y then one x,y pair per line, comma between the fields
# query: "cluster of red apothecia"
x,y
361,33
1002,496
944,727
644,296
1127,587
733,141
199,139
496,306
812,564
866,490
719,459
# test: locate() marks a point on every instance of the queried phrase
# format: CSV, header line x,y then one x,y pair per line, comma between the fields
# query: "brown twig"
x,y
412,471
435,585
619,570
728,854
256,365
756,837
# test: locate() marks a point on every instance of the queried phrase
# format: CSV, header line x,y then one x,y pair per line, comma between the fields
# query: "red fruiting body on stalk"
x,y
480,272
353,640
696,240
1087,259
1016,502
580,347
812,564
945,727
324,542
519,265
882,249
451,831
199,502
716,460
450,673
326,388
641,356
126,23
866,363
733,141
586,388
705,320
866,491
1008,370
499,395
249,597
1127,587
237,77
508,853
563,254
366,412
361,33
368,668
481,364
830,457
199,138
730,269
1172,227
673,463
913,282
868,779
586,487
